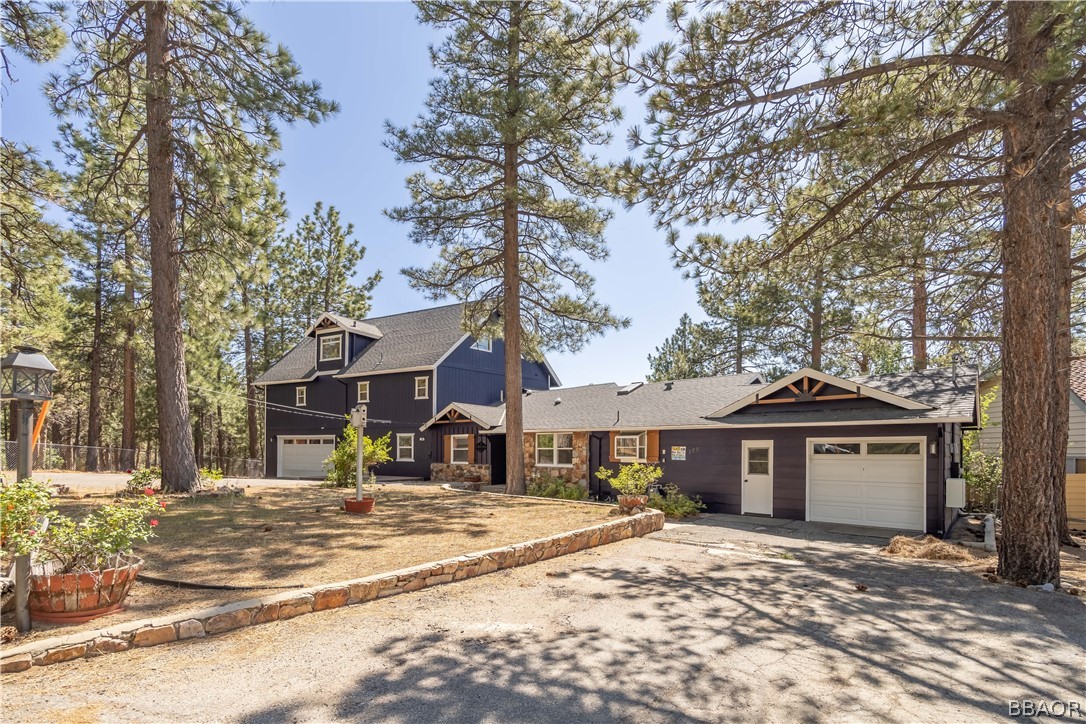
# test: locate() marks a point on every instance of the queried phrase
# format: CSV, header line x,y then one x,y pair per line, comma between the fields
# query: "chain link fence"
x,y
81,458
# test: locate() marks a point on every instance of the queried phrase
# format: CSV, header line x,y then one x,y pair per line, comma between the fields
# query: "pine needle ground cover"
x,y
297,535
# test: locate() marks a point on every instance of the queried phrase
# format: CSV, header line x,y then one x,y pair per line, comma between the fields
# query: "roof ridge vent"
x,y
630,388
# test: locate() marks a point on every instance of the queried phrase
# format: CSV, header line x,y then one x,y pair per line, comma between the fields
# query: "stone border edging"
x,y
282,606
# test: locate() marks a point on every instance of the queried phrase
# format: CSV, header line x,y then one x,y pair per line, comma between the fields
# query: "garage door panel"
x,y
864,489
304,457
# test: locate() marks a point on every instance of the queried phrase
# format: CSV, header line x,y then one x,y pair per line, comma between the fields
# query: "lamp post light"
x,y
26,376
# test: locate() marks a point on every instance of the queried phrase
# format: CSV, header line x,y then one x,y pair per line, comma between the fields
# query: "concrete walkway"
x,y
715,528
648,630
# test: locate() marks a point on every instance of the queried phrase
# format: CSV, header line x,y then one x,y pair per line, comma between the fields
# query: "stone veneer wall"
x,y
446,472
211,621
577,473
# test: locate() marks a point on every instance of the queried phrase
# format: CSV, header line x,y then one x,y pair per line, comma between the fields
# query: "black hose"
x,y
211,586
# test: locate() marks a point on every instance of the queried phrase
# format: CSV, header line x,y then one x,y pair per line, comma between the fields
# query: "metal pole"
x,y
26,424
360,467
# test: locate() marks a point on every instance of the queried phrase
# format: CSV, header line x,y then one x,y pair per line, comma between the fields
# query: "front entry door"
x,y
758,477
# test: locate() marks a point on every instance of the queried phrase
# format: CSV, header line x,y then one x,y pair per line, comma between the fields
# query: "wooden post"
x,y
22,593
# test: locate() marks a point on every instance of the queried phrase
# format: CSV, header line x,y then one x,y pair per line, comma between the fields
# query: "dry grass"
x,y
283,536
928,548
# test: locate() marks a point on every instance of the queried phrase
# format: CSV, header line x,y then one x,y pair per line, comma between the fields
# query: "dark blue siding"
x,y
324,394
336,364
477,377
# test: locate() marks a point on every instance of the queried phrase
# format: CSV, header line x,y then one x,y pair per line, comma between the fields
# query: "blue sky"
x,y
372,58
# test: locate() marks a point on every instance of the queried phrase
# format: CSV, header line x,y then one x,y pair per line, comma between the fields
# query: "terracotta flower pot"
x,y
632,503
79,597
358,507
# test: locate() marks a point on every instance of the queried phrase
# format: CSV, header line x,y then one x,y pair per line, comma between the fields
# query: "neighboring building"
x,y
991,437
405,367
871,451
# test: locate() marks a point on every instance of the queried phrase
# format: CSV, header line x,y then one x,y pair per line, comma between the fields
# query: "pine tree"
x,y
967,100
198,89
525,89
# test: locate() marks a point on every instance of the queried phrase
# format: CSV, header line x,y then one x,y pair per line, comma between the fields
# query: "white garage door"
x,y
303,457
876,482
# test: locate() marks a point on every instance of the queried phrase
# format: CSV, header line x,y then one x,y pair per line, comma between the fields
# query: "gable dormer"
x,y
340,340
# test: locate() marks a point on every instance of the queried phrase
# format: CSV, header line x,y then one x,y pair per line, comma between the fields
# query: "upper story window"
x,y
483,345
364,391
632,446
461,449
554,448
422,388
299,396
331,347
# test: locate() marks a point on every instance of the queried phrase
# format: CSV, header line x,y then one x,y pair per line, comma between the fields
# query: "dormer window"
x,y
483,345
331,348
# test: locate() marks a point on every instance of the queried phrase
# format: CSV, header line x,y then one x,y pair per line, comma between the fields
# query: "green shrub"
x,y
549,486
676,504
142,479
341,463
633,479
22,504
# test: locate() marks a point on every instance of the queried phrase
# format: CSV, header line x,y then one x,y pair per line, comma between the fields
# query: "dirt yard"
x,y
298,536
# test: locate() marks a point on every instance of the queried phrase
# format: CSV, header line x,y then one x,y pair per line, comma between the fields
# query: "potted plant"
x,y
632,484
80,569
342,465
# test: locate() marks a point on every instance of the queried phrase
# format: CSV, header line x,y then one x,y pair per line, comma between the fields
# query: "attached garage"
x,y
875,482
303,457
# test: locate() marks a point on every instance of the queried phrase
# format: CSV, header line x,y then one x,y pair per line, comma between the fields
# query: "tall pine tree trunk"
x,y
1036,256
128,405
94,403
174,432
920,318
817,322
253,449
511,329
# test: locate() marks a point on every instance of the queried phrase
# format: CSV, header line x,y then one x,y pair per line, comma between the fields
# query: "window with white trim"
x,y
461,454
422,388
632,446
364,391
483,344
299,396
405,446
331,347
554,449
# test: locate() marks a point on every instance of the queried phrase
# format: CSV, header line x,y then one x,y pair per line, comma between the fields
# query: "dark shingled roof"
x,y
411,339
951,393
1078,377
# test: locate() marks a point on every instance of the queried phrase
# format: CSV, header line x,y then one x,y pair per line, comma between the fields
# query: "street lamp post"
x,y
26,376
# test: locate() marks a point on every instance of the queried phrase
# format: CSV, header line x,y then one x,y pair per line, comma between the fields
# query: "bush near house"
x,y
549,486
983,471
632,479
341,463
673,503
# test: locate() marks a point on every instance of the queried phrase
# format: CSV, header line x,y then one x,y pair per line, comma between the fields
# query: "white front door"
x,y
758,477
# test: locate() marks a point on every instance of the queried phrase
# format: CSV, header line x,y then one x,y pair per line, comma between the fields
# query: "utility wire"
x,y
287,408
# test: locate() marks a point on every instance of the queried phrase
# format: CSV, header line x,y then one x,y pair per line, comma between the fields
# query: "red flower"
x,y
148,491
128,472
154,522
32,532
163,504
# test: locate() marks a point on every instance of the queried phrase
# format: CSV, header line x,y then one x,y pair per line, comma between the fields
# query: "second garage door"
x,y
303,457
877,482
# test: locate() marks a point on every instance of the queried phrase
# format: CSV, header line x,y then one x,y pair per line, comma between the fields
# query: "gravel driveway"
x,y
644,630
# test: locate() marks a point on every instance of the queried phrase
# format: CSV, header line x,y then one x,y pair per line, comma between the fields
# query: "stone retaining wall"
x,y
447,472
211,621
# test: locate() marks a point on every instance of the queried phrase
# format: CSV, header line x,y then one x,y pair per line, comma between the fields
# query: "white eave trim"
x,y
312,377
363,328
454,406
867,391
423,368
764,425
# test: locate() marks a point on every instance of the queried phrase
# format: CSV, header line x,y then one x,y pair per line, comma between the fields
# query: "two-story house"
x,y
404,367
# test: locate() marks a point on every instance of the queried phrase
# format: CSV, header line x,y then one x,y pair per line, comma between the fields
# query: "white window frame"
x,y
483,345
338,339
300,396
363,385
399,446
452,449
425,395
554,448
642,446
